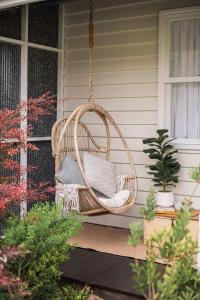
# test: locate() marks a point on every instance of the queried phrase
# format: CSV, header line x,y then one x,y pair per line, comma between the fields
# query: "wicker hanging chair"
x,y
72,136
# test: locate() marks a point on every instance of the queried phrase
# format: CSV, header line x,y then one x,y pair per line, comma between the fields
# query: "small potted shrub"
x,y
165,169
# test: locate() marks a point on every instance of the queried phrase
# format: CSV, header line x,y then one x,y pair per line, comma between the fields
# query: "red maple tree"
x,y
14,186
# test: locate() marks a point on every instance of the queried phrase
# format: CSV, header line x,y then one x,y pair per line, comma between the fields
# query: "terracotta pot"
x,y
165,199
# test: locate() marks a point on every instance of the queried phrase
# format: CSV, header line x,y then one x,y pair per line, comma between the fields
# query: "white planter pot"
x,y
165,199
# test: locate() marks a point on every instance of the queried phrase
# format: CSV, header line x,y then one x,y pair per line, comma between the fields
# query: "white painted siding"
x,y
125,78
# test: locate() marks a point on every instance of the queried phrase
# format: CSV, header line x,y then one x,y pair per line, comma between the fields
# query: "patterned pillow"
x,y
100,174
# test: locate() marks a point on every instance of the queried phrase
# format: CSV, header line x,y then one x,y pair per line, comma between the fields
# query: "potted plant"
x,y
165,169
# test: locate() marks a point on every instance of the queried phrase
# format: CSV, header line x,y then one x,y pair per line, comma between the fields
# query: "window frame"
x,y
164,80
25,44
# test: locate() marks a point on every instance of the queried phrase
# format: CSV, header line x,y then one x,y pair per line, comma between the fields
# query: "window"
x,y
30,65
179,75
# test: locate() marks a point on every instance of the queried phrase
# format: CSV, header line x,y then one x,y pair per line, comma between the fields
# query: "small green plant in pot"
x,y
166,168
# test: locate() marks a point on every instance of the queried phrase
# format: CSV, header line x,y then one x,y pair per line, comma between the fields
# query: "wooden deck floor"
x,y
102,270
102,258
108,240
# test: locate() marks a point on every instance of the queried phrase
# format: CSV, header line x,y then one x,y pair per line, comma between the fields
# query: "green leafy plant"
x,y
149,213
44,233
195,174
149,209
136,234
72,293
166,168
179,279
11,285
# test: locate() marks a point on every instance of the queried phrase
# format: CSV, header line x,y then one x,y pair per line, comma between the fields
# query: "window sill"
x,y
187,144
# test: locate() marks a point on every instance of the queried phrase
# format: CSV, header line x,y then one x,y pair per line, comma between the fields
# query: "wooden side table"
x,y
166,221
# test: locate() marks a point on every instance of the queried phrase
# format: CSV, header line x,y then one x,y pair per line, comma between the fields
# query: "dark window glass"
x,y
10,23
10,66
42,78
43,162
43,23
44,170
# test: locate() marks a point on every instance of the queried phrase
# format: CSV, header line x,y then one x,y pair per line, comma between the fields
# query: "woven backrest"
x,y
65,145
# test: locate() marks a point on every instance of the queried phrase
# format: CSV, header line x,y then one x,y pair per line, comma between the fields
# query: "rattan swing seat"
x,y
71,136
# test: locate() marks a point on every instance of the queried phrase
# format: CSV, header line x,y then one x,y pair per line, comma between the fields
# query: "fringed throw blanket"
x,y
120,180
69,195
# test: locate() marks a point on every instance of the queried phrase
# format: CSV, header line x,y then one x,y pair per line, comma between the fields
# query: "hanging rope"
x,y
90,44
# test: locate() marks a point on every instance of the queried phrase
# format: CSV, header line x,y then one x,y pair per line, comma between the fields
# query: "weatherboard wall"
x,y
125,70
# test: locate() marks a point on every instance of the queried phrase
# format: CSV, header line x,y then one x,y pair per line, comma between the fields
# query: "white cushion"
x,y
100,174
118,200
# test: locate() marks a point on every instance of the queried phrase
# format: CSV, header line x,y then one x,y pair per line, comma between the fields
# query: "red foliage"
x,y
14,285
13,140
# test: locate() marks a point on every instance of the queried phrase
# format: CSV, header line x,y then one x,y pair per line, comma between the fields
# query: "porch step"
x,y
110,275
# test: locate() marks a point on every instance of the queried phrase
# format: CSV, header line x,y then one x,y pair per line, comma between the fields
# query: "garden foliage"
x,y
14,187
179,279
12,285
44,235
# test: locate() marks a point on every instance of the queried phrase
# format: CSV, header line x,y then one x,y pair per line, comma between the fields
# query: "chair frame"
x,y
89,202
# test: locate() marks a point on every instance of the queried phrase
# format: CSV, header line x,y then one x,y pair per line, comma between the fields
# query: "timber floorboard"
x,y
101,270
107,239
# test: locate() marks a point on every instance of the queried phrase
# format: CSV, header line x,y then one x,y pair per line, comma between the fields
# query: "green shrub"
x,y
44,233
71,293
180,280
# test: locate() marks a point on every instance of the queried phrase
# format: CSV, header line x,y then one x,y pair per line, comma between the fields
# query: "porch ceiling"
x,y
10,3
